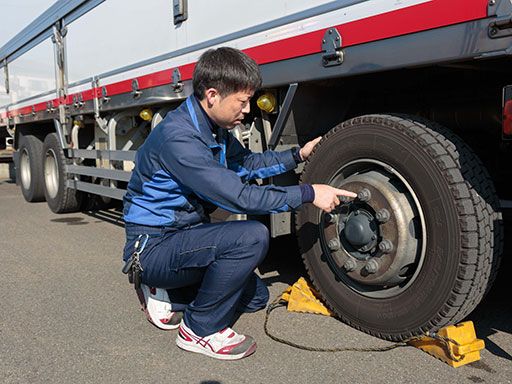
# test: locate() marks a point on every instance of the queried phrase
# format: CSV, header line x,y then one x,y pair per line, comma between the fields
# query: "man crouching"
x,y
194,275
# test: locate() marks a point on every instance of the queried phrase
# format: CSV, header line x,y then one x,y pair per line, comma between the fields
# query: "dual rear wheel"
x,y
42,174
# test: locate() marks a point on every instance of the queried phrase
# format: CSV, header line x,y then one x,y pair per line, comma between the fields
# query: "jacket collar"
x,y
205,125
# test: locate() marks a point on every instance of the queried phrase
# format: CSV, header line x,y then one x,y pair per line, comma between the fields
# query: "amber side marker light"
x,y
267,102
146,114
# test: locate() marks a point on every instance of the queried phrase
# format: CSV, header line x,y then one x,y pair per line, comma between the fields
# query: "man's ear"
x,y
211,95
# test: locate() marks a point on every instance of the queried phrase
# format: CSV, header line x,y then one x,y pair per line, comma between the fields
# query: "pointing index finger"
x,y
342,192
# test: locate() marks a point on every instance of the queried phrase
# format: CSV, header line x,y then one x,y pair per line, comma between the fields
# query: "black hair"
x,y
228,70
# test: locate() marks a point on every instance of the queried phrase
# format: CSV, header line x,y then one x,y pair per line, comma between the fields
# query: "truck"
x,y
412,99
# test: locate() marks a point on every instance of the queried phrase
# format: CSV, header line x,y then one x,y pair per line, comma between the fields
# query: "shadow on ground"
x,y
284,258
104,209
494,314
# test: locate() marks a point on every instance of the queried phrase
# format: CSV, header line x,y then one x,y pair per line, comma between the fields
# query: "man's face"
x,y
229,111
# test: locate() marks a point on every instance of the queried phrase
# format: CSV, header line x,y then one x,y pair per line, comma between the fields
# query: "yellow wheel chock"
x,y
301,297
456,345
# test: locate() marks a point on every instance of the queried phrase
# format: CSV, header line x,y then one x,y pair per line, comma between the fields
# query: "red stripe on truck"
x,y
417,18
413,19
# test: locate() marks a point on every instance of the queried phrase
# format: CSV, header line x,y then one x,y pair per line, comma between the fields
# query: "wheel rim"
x,y
374,244
51,173
25,172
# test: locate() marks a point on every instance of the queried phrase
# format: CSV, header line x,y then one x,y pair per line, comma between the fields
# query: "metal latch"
x,y
180,13
104,95
49,107
500,27
59,33
176,83
78,101
331,45
136,92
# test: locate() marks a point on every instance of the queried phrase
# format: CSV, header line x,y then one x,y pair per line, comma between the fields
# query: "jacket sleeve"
x,y
191,162
250,166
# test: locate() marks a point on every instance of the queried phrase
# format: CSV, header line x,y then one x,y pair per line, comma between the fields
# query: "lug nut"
x,y
350,264
364,195
329,218
333,244
382,215
343,199
386,246
371,266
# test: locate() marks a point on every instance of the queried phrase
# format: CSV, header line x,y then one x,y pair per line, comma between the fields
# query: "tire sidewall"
x,y
412,308
33,146
51,143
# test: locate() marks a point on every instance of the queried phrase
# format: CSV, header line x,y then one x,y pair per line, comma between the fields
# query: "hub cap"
x,y
51,173
25,169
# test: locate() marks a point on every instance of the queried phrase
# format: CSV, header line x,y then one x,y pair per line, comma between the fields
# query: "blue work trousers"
x,y
208,269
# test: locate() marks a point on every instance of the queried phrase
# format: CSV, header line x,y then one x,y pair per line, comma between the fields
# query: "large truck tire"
x,y
419,247
30,168
59,196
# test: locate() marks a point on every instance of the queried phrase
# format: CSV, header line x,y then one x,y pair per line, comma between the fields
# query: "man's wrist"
x,y
308,193
296,155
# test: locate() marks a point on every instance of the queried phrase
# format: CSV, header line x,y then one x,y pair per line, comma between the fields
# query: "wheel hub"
x,y
51,174
26,174
376,232
360,231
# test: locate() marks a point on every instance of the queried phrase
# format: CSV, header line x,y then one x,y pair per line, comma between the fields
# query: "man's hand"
x,y
326,197
306,150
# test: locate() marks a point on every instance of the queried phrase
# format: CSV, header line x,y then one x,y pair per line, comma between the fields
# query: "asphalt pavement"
x,y
70,316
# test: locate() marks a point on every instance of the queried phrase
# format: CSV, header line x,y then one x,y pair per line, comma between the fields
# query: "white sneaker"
x,y
223,345
157,307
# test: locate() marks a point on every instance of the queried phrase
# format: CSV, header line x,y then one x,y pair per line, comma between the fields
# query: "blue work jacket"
x,y
182,164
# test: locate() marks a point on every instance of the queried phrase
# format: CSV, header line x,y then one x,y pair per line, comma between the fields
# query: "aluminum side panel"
x,y
118,33
241,15
32,73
